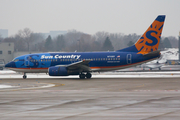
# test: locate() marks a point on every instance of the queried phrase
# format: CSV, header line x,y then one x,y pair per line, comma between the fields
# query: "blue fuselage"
x,y
99,61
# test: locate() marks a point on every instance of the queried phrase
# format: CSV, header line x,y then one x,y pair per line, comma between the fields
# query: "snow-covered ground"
x,y
169,74
7,72
168,54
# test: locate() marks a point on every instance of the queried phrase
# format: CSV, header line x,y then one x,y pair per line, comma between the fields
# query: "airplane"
x,y
155,63
84,63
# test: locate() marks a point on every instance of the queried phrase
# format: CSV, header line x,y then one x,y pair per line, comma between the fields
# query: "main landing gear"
x,y
83,76
24,76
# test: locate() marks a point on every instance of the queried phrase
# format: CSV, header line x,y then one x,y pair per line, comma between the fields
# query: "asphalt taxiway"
x,y
90,99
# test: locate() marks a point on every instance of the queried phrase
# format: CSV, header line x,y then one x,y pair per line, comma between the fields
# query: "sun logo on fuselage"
x,y
149,41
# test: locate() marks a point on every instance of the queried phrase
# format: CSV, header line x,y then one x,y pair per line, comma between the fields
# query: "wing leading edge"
x,y
81,66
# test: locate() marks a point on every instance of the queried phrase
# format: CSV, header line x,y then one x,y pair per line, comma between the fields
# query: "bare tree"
x,y
36,38
101,36
25,34
174,41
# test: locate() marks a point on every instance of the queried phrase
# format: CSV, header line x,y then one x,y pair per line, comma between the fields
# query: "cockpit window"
x,y
15,60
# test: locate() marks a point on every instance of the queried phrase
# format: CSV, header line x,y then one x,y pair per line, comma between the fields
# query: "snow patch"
x,y
6,86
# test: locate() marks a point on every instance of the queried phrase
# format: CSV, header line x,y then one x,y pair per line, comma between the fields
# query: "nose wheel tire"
x,y
24,76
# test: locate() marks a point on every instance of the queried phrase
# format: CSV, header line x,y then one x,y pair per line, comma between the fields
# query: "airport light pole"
x,y
179,46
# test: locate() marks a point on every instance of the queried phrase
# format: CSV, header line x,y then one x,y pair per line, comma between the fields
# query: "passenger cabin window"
x,y
1,52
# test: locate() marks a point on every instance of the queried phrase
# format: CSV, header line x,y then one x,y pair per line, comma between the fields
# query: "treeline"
x,y
26,40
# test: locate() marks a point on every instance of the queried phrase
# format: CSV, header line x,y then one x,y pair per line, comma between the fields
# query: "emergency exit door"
x,y
129,58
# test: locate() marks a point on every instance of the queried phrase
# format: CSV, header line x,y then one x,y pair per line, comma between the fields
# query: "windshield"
x,y
15,60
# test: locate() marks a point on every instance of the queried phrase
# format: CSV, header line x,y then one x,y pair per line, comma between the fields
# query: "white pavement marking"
x,y
29,88
6,86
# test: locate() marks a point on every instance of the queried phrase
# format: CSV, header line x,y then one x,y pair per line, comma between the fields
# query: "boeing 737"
x,y
84,63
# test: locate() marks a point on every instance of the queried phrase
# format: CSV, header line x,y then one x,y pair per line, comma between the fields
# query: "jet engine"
x,y
58,71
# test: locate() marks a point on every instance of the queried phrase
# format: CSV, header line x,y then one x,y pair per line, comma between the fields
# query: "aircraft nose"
x,y
10,64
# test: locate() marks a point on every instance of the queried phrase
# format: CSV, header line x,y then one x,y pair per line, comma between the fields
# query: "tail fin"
x,y
150,40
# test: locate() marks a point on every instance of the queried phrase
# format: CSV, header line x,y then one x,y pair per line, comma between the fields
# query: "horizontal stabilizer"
x,y
152,54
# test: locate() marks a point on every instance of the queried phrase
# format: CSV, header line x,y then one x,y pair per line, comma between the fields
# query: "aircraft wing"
x,y
82,66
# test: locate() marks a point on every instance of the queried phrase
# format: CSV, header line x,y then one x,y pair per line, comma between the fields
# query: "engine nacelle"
x,y
58,71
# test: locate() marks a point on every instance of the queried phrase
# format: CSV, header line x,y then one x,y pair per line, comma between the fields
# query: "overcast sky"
x,y
89,16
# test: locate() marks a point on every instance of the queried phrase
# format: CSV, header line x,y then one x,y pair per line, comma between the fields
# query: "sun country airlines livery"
x,y
84,63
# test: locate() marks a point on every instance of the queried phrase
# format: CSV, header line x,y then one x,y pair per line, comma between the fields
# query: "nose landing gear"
x,y
24,76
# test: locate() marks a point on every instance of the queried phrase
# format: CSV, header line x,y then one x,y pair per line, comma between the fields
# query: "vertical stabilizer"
x,y
150,40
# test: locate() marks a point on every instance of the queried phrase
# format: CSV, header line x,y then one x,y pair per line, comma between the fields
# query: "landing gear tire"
x,y
24,76
88,75
82,76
